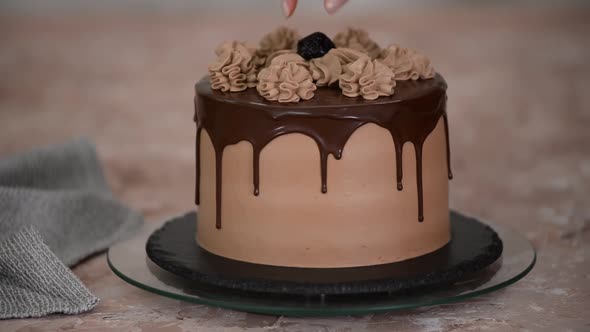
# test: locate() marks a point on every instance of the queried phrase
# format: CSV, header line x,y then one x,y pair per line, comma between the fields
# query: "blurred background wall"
x,y
355,6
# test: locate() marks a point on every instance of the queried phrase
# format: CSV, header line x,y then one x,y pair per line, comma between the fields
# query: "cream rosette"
x,y
367,78
357,39
233,70
327,69
286,80
406,63
282,39
357,65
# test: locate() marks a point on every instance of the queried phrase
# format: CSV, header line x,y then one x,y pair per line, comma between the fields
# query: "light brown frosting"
x,y
407,64
281,39
358,65
286,80
233,70
271,57
347,55
359,40
325,70
367,78
288,57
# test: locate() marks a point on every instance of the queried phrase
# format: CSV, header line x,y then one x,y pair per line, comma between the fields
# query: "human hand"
x,y
331,6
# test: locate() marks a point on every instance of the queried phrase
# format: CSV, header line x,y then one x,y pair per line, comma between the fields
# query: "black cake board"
x,y
473,247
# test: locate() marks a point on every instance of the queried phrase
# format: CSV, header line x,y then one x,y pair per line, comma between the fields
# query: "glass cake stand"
x,y
129,261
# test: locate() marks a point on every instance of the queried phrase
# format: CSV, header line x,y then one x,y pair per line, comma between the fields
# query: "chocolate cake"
x,y
303,161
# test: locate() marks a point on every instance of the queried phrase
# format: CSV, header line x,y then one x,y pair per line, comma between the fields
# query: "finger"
x,y
333,5
289,7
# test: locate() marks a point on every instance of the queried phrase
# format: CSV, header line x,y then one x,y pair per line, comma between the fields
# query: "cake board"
x,y
358,293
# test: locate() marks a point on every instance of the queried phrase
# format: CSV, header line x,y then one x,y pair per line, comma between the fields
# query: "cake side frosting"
x,y
362,219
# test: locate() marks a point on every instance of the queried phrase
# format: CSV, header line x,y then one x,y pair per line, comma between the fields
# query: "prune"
x,y
315,45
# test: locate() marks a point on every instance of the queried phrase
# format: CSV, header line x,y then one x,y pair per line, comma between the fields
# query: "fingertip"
x,y
332,6
289,7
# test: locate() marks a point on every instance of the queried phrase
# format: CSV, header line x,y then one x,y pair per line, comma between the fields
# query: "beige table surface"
x,y
519,109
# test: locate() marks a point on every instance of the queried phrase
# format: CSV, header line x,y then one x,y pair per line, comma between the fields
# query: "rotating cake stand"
x,y
130,262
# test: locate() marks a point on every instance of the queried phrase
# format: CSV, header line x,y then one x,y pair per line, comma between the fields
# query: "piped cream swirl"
x,y
358,66
347,55
407,64
367,78
327,69
282,39
359,40
286,80
233,70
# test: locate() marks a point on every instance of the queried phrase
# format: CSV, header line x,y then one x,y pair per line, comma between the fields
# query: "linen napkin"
x,y
55,210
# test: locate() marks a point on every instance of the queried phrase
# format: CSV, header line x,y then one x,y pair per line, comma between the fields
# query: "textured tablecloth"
x,y
55,209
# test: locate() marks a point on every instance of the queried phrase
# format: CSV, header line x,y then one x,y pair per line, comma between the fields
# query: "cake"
x,y
322,153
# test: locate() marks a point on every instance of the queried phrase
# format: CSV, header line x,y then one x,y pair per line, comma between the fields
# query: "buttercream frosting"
x,y
288,57
359,40
271,57
286,80
281,39
358,66
347,55
233,70
367,78
407,64
325,70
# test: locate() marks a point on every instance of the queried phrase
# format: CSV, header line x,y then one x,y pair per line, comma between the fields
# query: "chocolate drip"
x,y
218,172
418,151
398,163
256,169
197,160
329,119
198,168
446,121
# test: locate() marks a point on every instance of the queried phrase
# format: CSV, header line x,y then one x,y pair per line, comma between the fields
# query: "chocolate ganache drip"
x,y
410,115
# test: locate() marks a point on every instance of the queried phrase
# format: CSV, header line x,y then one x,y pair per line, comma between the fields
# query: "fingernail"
x,y
286,8
333,5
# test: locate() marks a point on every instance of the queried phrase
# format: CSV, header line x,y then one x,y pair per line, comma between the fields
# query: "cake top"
x,y
327,99
287,69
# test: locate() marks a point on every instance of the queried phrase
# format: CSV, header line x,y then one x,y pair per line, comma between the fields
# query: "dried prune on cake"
x,y
315,45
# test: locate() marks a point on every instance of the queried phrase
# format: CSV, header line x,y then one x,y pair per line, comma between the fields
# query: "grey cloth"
x,y
55,210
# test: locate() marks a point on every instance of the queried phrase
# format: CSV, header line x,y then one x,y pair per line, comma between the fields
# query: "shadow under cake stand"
x,y
165,259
